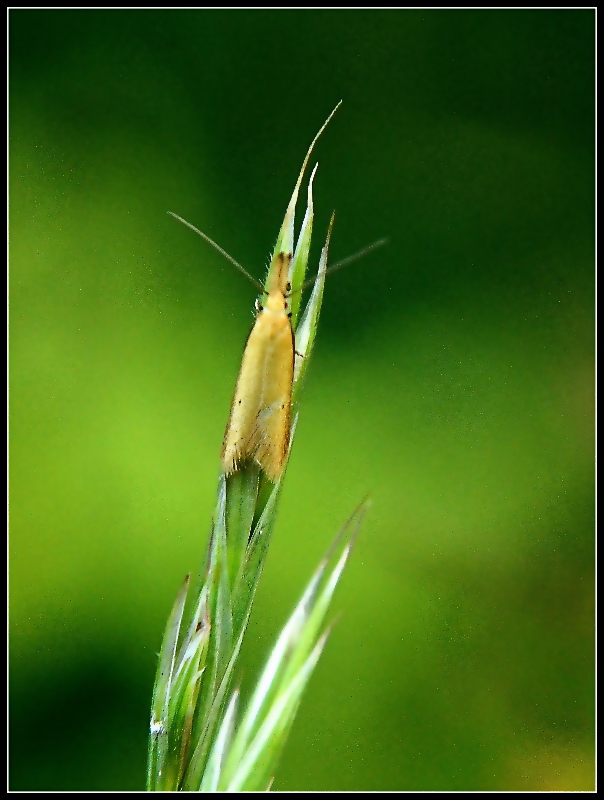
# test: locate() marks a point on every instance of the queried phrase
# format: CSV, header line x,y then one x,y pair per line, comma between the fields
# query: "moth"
x,y
260,420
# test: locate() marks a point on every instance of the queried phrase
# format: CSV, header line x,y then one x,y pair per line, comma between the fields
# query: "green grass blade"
x,y
241,500
272,707
320,604
160,707
211,719
300,260
213,768
261,695
259,760
307,329
221,637
285,239
251,568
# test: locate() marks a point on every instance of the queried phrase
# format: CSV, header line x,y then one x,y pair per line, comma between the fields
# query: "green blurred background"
x,y
452,379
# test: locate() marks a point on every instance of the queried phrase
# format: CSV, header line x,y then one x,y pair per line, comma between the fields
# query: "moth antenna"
x,y
220,250
359,254
348,260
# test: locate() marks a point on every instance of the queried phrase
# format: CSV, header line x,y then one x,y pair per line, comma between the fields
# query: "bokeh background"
x,y
452,379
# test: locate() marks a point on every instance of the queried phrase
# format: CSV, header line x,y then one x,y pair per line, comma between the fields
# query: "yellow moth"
x,y
259,425
260,420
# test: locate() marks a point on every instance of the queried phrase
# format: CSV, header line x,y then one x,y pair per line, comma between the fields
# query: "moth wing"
x,y
271,435
259,425
244,408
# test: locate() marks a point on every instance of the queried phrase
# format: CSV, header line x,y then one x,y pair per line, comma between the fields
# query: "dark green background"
x,y
452,378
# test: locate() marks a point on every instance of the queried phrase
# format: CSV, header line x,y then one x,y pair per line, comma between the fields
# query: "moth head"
x,y
279,274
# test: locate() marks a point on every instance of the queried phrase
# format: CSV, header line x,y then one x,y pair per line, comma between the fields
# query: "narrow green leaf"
x,y
221,641
299,263
197,762
259,758
267,681
184,698
309,631
158,739
251,568
320,603
285,239
200,620
212,772
253,563
241,499
307,329
296,641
